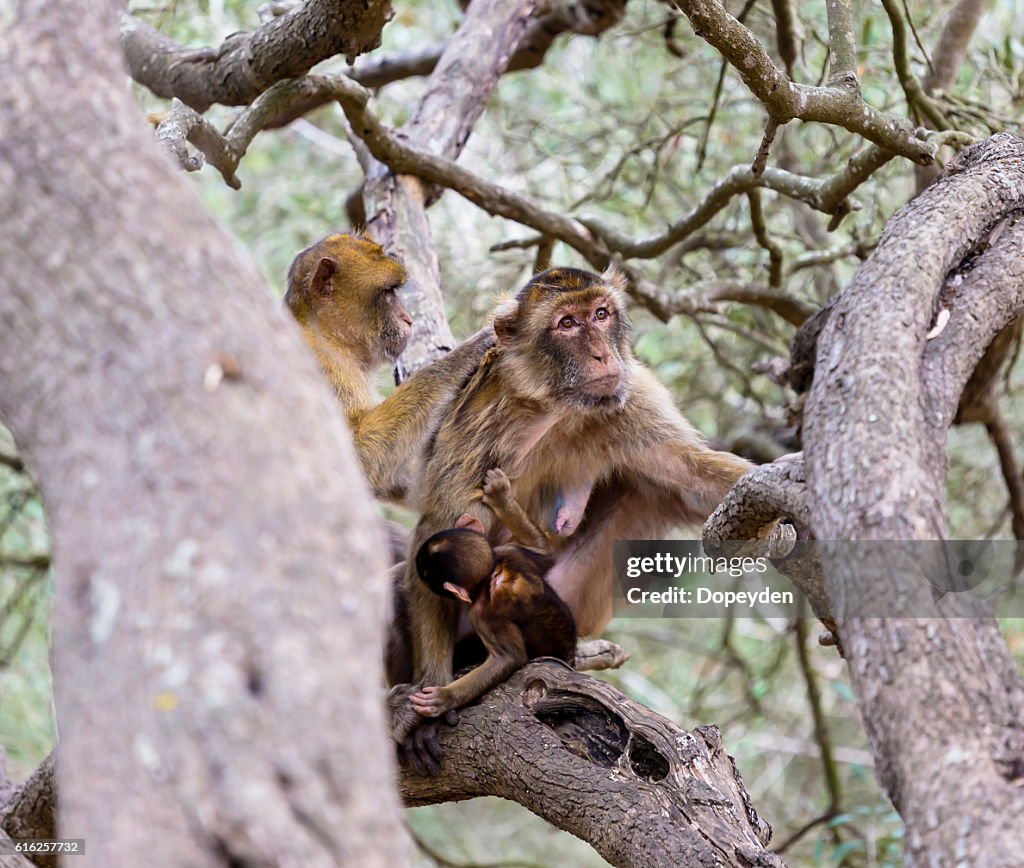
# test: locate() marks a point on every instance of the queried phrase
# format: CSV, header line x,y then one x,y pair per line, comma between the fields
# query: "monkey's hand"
x,y
432,701
497,491
417,739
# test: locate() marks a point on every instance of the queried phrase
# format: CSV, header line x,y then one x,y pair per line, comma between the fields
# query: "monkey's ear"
x,y
505,318
470,522
322,284
614,278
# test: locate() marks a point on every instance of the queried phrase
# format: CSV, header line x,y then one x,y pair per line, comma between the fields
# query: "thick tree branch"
x,y
763,496
987,296
939,697
580,754
246,64
453,100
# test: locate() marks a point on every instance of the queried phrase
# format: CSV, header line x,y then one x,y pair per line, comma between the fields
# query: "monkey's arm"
x,y
498,496
506,654
698,476
433,624
674,455
389,436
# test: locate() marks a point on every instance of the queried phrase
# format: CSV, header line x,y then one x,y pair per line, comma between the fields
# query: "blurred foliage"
x,y
618,128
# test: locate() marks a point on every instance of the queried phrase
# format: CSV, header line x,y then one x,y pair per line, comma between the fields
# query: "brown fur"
x,y
516,614
535,409
343,292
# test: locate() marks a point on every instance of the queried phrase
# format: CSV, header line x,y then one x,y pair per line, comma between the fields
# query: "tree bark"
x,y
453,101
29,811
575,751
219,577
940,698
248,63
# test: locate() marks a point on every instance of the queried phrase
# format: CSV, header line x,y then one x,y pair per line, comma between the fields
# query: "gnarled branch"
x,y
580,754
246,64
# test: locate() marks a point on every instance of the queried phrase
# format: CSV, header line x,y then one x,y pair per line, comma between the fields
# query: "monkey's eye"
x,y
601,313
566,322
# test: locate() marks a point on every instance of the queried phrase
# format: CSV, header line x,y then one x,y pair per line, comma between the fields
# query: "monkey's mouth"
x,y
602,387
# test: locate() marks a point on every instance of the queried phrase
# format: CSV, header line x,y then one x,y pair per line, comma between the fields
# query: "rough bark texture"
x,y
246,64
215,628
579,753
941,699
454,99
29,811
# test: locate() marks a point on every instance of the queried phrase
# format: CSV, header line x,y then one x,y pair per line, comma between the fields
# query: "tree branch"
x,y
12,461
946,60
580,754
590,18
842,46
246,64
786,101
452,102
30,810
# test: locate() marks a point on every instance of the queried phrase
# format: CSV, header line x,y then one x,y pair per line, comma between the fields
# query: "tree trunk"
x,y
396,205
219,576
941,699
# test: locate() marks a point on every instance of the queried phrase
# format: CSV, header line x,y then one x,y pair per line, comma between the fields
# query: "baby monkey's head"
x,y
453,563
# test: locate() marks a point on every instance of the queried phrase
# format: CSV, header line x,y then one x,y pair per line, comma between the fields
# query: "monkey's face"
x,y
569,332
350,287
395,322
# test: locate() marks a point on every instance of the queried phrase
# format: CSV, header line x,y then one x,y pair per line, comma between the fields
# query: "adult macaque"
x,y
516,614
594,446
343,291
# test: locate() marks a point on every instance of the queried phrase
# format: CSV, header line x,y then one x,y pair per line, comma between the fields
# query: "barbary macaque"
x,y
593,445
516,614
344,293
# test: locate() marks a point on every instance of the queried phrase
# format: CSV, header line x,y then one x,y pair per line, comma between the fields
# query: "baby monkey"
x,y
515,612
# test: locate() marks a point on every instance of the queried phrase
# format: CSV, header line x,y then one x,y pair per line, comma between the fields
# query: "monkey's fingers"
x,y
425,749
496,478
427,704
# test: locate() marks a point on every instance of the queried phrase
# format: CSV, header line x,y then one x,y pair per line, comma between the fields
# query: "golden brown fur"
x,y
343,292
562,405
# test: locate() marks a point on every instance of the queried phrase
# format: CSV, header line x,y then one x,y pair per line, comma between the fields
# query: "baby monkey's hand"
x,y
431,702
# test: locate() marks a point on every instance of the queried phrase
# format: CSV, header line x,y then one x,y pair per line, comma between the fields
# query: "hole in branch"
x,y
585,727
647,761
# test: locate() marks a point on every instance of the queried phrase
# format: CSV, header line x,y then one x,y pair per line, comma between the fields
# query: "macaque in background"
x,y
343,292
516,614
